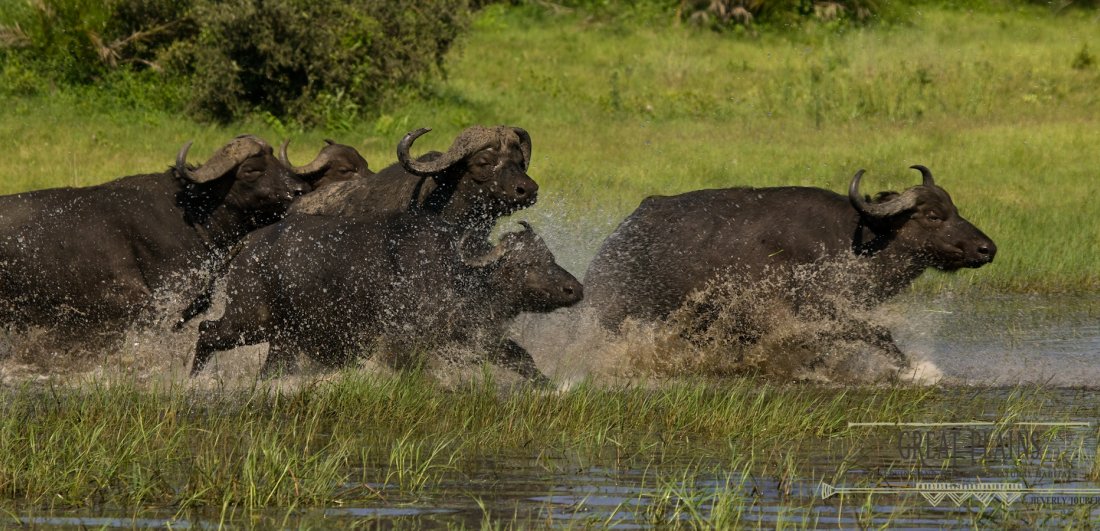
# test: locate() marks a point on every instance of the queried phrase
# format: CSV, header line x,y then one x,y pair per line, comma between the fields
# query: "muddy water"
x,y
977,342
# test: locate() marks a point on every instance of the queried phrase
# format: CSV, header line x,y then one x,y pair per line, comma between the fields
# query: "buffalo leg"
x,y
202,302
219,335
879,336
197,306
280,360
883,339
512,356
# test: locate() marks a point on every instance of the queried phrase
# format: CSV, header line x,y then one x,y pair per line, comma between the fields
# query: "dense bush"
x,y
81,41
311,60
301,60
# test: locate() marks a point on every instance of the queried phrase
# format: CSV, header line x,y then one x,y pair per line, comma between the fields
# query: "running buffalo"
x,y
93,259
673,246
482,177
335,287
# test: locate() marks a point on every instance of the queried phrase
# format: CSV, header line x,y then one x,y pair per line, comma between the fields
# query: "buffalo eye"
x,y
251,174
933,216
482,161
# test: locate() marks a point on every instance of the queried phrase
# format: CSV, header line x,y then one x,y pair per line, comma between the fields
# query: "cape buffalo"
x,y
482,177
672,246
93,259
330,287
335,163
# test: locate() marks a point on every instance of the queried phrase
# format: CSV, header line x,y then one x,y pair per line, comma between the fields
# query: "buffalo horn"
x,y
905,201
524,145
925,173
467,143
494,254
181,161
309,170
422,169
227,158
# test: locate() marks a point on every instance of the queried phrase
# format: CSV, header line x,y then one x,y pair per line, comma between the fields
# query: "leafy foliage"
x,y
296,60
303,59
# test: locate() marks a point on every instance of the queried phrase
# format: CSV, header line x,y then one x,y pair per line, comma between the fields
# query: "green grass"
x,y
358,440
989,100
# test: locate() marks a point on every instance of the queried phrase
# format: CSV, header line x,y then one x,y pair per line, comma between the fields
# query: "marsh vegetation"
x,y
1001,101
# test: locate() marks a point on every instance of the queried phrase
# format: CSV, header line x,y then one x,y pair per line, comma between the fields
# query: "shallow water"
x,y
983,340
646,490
977,342
1005,339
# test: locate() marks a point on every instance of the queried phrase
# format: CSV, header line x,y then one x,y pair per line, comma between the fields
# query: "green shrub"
x,y
294,60
77,41
54,38
312,61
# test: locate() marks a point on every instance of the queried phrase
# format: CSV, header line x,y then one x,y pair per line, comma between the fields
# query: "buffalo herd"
x,y
334,261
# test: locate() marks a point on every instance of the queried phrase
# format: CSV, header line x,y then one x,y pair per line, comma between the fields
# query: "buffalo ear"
x,y
227,158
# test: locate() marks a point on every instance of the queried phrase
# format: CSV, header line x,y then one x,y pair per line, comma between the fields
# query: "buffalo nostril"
x,y
984,249
521,191
568,290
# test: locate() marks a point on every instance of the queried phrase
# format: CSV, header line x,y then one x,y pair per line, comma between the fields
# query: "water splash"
x,y
959,339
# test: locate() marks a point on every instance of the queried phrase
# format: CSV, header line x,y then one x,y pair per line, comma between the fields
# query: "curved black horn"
x,y
903,202
316,166
524,145
228,157
468,142
485,260
925,173
181,161
406,160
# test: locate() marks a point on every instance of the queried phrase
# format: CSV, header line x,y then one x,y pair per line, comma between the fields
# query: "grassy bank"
x,y
991,102
358,440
